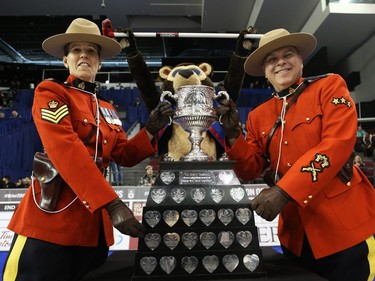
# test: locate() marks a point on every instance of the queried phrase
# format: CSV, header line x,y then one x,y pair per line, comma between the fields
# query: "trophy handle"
x,y
168,93
221,93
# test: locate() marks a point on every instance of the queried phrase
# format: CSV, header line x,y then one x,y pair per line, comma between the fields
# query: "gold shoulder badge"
x,y
316,166
53,104
54,114
342,100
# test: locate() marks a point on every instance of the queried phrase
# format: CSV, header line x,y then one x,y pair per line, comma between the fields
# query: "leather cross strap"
x,y
346,172
295,96
297,93
90,135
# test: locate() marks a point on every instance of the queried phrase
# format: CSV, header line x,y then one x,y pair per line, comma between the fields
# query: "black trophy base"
x,y
199,226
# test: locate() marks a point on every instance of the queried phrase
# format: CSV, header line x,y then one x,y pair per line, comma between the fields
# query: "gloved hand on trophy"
x,y
159,117
229,120
123,219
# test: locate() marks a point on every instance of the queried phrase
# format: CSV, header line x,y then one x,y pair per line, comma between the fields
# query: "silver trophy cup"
x,y
195,114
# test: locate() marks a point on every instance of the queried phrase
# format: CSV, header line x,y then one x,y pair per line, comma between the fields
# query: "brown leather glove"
x,y
123,219
269,202
159,117
128,44
229,119
245,46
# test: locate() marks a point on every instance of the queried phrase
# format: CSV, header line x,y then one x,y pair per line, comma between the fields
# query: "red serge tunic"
x,y
64,117
318,137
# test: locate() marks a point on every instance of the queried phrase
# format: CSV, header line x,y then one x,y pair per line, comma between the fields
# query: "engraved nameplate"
x,y
197,177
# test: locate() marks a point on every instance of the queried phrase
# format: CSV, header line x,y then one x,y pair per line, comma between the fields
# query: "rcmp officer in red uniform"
x,y
77,127
304,134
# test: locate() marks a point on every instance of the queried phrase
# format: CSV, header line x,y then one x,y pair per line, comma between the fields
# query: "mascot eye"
x,y
198,71
174,72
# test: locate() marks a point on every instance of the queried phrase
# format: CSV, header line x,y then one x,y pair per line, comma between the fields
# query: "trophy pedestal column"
x,y
199,226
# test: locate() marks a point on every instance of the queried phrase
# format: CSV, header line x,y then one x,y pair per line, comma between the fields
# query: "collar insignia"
x,y
81,85
286,92
84,85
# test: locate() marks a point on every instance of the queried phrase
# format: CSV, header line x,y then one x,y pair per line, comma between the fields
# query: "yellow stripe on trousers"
x,y
371,257
11,268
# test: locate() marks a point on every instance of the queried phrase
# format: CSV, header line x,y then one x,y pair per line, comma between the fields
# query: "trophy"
x,y
197,207
195,114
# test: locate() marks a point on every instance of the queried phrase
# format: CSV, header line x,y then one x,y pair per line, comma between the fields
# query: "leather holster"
x,y
269,176
346,172
51,183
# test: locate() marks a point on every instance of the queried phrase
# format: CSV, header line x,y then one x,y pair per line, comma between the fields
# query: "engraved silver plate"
x,y
243,215
217,194
189,264
206,177
226,176
189,217
251,262
210,263
178,194
230,262
158,195
207,216
167,177
148,264
171,217
244,238
226,238
152,218
225,215
152,240
189,239
237,193
207,239
171,240
168,263
198,194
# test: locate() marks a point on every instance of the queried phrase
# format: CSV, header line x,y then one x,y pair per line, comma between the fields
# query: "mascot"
x,y
173,140
186,74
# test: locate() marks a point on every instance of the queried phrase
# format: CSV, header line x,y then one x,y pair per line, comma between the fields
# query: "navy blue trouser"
x,y
35,260
353,264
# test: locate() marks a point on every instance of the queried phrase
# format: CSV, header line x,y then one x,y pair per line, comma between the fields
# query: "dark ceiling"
x,y
341,29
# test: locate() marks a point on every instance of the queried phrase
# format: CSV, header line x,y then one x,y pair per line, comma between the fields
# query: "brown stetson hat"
x,y
275,39
81,30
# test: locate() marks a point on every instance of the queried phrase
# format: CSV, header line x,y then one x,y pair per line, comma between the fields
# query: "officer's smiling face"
x,y
83,60
283,67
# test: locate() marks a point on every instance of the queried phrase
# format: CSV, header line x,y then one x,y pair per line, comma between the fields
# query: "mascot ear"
x,y
207,68
164,72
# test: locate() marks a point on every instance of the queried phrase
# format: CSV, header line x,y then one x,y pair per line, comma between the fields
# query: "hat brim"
x,y
304,42
54,45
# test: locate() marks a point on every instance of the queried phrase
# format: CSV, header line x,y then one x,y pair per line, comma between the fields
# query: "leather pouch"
x,y
51,182
346,172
